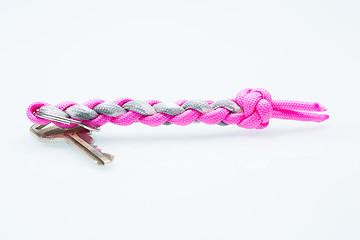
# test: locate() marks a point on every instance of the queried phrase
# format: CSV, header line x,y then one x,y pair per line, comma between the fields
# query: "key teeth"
x,y
109,156
86,136
97,148
77,136
103,163
92,141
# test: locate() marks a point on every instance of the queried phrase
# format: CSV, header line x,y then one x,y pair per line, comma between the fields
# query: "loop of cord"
x,y
251,109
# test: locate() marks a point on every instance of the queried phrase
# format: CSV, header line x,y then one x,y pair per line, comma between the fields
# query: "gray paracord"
x,y
82,112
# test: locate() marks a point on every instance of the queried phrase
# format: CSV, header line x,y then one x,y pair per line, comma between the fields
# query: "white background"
x,y
293,180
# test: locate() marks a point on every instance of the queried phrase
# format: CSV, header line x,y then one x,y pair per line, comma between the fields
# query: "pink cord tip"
x,y
322,118
322,108
319,107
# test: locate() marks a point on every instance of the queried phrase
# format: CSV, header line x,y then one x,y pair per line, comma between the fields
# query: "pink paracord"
x,y
257,104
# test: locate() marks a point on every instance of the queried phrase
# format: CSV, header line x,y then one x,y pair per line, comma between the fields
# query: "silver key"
x,y
78,136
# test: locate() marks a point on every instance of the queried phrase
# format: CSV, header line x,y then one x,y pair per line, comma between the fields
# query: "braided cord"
x,y
251,108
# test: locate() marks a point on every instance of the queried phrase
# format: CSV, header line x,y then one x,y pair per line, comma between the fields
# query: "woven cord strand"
x,y
251,108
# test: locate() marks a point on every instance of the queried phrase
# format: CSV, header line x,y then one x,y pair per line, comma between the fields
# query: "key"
x,y
78,136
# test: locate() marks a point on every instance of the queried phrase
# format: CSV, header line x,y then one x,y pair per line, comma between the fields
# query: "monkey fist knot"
x,y
258,107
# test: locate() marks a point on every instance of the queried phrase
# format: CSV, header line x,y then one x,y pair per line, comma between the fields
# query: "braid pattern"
x,y
249,109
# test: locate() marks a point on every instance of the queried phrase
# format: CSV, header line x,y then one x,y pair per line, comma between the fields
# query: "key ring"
x,y
65,120
251,109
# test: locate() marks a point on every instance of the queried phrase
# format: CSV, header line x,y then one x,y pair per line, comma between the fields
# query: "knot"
x,y
258,107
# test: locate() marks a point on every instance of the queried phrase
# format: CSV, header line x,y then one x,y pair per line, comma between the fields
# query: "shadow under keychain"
x,y
251,109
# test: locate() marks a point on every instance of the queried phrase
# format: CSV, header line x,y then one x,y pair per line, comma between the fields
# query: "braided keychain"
x,y
251,109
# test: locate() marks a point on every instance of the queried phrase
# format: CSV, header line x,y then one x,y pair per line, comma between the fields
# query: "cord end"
x,y
320,107
322,117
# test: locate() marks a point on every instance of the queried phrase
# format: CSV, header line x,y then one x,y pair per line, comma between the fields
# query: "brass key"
x,y
78,136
